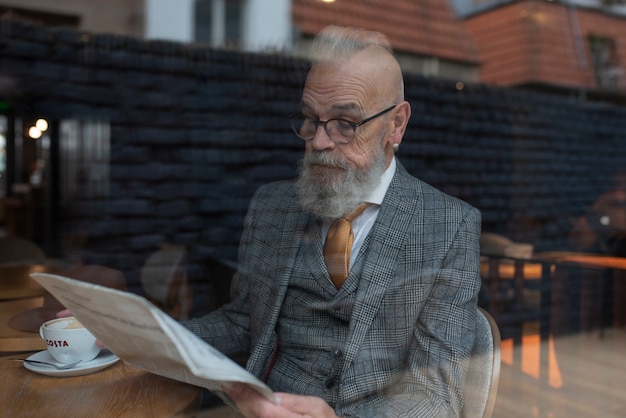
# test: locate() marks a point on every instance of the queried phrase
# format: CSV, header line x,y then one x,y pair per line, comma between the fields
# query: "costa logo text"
x,y
55,343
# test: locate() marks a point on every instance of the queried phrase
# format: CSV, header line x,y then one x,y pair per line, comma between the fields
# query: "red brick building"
x,y
540,43
427,36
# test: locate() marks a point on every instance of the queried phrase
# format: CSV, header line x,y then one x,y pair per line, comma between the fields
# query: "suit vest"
x,y
313,324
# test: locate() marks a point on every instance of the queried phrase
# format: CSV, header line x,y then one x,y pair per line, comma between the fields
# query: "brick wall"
x,y
195,131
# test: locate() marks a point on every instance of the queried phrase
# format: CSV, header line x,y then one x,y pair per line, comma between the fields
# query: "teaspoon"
x,y
56,366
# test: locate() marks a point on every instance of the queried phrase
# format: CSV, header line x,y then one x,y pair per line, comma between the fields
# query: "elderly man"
x,y
387,332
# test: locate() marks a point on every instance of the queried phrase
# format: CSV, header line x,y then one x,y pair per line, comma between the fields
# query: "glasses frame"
x,y
324,123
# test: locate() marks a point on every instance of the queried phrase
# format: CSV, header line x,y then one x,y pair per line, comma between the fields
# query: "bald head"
x,y
336,45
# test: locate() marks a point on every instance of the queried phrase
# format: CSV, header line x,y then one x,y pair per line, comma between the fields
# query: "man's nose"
x,y
321,140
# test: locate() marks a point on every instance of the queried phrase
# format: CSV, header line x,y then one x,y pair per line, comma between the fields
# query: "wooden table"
x,y
584,259
117,391
12,340
598,261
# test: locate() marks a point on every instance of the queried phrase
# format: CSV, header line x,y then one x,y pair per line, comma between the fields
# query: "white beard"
x,y
329,198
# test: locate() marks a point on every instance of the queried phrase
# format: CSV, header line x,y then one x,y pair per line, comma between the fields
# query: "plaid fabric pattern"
x,y
411,329
312,327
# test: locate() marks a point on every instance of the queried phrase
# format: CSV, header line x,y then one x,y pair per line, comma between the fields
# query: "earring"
x,y
395,147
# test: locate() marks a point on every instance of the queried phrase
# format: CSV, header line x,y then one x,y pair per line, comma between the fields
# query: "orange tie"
x,y
338,246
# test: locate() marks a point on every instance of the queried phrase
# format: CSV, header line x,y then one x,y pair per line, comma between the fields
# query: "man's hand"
x,y
64,313
254,405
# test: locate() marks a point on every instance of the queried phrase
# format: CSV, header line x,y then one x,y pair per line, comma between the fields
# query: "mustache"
x,y
323,158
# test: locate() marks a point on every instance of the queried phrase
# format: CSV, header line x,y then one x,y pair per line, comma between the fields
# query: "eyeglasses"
x,y
340,131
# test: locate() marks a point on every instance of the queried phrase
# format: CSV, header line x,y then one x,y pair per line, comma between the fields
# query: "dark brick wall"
x,y
195,131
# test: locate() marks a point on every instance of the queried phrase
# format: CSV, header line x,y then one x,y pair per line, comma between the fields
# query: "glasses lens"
x,y
340,131
303,126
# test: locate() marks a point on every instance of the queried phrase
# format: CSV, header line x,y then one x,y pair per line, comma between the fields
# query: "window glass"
x,y
604,59
203,18
85,154
233,24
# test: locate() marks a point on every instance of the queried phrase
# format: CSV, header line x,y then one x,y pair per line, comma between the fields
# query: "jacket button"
x,y
329,383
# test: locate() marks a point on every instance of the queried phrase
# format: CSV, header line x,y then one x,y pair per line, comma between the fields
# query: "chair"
x,y
164,280
493,244
19,251
18,258
513,282
221,272
481,383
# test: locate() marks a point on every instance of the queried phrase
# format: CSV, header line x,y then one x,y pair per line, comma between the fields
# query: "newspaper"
x,y
145,337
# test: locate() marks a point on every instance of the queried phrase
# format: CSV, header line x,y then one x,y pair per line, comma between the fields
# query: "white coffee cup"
x,y
67,340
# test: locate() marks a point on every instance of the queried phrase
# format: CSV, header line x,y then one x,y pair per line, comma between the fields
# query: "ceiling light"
x,y
42,125
34,133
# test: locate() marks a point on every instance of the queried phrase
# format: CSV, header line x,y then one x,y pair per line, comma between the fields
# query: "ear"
x,y
400,120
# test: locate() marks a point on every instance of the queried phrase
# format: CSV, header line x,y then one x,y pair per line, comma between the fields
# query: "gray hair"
x,y
340,43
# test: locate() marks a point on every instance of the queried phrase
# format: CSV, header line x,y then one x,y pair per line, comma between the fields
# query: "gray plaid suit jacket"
x,y
412,327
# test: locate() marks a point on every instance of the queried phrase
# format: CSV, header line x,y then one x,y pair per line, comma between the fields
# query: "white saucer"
x,y
104,360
